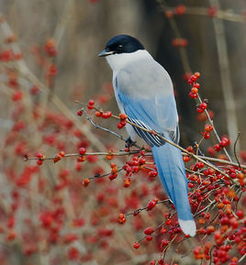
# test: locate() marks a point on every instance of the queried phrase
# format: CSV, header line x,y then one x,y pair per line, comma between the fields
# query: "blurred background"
x,y
55,45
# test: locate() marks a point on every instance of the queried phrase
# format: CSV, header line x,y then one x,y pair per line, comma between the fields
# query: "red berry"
x,y
39,155
40,162
98,113
136,245
194,90
199,110
193,95
127,182
80,112
73,254
186,159
240,214
208,127
82,150
50,48
106,115
163,231
206,135
212,11
225,141
17,95
34,90
217,147
52,71
211,151
197,75
148,230
193,78
196,85
151,204
57,158
91,104
121,124
168,222
121,218
152,173
123,116
86,182
169,13
179,42
164,243
190,149
203,105
11,236
180,9
191,185
148,238
142,161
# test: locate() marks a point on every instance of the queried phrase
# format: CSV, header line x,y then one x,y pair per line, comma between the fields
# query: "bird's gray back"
x,y
144,78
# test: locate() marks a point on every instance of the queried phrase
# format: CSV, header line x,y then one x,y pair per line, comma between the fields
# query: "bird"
x,y
144,92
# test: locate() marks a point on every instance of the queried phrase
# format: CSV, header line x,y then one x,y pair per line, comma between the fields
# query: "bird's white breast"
x,y
119,61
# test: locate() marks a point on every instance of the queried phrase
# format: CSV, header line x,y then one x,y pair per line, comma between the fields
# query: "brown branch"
x,y
220,14
132,152
137,211
235,150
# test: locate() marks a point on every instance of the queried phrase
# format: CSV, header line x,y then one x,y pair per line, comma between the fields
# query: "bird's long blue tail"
x,y
170,166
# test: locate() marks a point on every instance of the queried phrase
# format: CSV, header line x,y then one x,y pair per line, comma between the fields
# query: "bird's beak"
x,y
104,53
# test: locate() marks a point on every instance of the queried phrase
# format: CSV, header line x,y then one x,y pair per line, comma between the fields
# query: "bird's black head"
x,y
121,44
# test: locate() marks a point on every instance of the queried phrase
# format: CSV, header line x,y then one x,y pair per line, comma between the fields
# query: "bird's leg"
x,y
129,142
197,149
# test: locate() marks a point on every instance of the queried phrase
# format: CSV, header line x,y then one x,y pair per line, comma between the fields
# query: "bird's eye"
x,y
120,46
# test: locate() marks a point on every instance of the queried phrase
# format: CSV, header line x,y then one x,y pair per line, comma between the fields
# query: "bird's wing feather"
x,y
148,100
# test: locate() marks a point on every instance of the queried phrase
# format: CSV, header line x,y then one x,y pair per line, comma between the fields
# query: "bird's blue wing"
x,y
157,112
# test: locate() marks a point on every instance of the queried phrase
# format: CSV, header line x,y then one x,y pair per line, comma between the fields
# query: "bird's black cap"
x,y
121,44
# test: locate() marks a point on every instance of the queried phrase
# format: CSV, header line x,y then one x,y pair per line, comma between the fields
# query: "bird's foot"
x,y
129,142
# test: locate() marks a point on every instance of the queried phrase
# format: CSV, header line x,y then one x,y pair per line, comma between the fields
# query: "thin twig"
x,y
97,126
214,129
220,14
144,208
132,152
242,258
104,175
235,150
204,209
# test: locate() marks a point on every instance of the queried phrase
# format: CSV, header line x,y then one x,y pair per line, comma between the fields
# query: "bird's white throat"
x,y
118,61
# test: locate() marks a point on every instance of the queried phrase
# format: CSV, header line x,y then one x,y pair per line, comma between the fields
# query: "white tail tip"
x,y
188,227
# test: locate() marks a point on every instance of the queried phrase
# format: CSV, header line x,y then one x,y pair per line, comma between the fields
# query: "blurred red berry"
x,y
180,9
82,150
136,245
149,231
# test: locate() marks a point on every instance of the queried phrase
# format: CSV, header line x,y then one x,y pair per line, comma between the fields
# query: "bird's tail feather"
x,y
170,166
